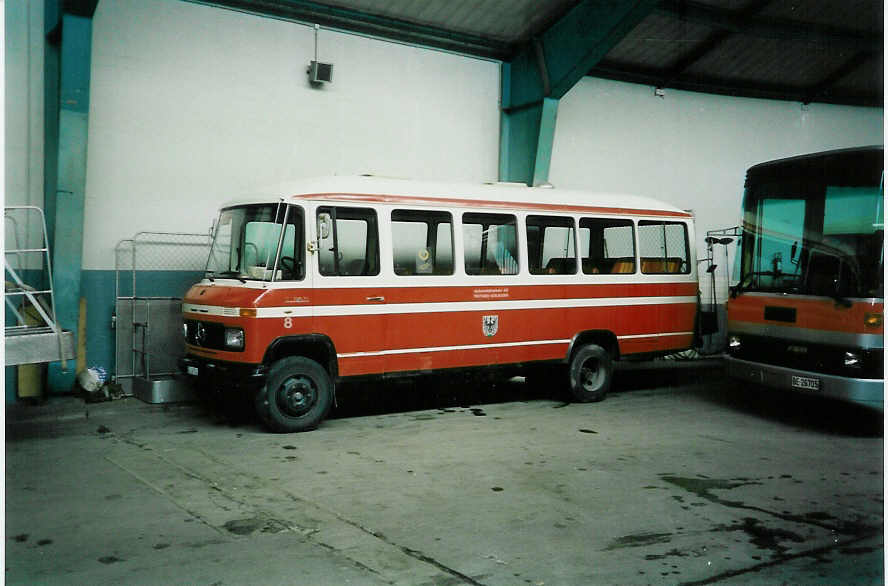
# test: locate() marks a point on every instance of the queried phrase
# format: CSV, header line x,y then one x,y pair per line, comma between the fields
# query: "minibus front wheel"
x,y
297,395
591,371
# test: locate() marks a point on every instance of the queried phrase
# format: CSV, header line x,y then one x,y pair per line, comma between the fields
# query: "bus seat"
x,y
651,265
623,266
661,265
673,265
561,266
589,267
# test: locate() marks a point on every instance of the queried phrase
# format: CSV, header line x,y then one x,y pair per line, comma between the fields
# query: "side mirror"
x,y
324,223
213,229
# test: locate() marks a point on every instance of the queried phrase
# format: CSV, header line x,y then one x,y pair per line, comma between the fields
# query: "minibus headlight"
x,y
852,359
234,338
734,342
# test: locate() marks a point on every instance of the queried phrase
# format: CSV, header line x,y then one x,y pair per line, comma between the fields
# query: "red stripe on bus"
x,y
244,297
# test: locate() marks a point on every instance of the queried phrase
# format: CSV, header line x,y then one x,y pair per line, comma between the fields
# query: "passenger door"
x,y
422,260
349,303
665,259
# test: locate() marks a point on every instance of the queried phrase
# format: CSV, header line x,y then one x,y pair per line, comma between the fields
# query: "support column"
x,y
67,244
538,77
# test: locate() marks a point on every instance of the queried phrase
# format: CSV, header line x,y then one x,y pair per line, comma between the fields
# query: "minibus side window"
x,y
664,247
550,246
422,242
491,244
351,246
607,246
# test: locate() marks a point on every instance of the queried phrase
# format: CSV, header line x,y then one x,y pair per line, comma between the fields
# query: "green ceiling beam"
x,y
539,75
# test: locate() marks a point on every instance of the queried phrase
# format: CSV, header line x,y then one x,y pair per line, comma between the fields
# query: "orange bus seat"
x,y
623,266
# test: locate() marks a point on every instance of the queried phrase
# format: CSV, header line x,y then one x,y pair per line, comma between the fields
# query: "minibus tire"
x,y
591,371
297,395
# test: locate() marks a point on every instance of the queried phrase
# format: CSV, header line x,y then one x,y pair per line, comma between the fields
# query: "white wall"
x,y
690,149
23,109
192,106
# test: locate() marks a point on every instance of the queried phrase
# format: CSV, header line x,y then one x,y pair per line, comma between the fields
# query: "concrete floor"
x,y
677,477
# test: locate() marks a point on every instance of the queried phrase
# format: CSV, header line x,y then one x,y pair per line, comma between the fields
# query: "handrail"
x,y
32,294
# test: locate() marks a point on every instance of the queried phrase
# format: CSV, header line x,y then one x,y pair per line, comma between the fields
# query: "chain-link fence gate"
x,y
152,272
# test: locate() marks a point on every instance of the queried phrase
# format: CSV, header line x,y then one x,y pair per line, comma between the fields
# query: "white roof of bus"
x,y
516,193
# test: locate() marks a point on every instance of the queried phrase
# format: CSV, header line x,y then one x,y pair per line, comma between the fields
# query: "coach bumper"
x,y
862,391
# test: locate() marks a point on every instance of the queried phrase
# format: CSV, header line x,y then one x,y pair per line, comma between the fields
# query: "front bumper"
x,y
223,374
862,391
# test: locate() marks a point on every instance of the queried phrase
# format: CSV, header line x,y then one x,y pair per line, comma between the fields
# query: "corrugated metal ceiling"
x,y
802,50
506,21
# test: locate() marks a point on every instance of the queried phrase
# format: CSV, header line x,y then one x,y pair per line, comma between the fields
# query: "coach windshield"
x,y
249,243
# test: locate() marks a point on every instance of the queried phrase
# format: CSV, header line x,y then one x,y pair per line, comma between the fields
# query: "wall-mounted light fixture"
x,y
319,73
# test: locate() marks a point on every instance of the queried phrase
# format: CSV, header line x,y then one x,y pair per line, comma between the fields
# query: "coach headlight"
x,y
234,338
852,359
734,342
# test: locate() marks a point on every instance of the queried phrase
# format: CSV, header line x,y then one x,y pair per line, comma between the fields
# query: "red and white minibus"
x,y
347,277
806,314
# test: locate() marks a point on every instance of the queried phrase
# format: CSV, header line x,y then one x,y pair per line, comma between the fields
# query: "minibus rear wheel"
x,y
297,395
591,371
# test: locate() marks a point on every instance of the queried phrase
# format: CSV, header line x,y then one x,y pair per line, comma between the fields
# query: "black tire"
x,y
297,395
591,371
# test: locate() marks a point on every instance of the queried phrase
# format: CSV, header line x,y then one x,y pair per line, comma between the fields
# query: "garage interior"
x,y
128,123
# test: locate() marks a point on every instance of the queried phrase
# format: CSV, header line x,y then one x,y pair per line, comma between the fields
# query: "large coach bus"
x,y
349,277
807,312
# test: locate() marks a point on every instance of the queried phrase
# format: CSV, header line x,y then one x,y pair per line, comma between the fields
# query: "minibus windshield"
x,y
246,239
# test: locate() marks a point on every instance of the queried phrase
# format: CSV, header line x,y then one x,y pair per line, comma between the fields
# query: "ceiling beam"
x,y
715,39
565,51
728,87
822,88
374,25
546,68
770,28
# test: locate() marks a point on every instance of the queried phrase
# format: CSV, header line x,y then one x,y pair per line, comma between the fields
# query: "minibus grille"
x,y
206,334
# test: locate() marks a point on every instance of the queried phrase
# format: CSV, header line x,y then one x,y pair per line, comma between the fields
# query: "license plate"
x,y
192,370
803,382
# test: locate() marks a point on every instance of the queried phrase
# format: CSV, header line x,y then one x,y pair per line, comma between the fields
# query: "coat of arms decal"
x,y
490,325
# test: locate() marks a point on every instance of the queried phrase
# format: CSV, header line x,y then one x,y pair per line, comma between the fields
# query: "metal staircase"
x,y
32,333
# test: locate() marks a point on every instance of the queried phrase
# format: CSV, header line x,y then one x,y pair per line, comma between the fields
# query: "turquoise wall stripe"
x,y
11,381
98,288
